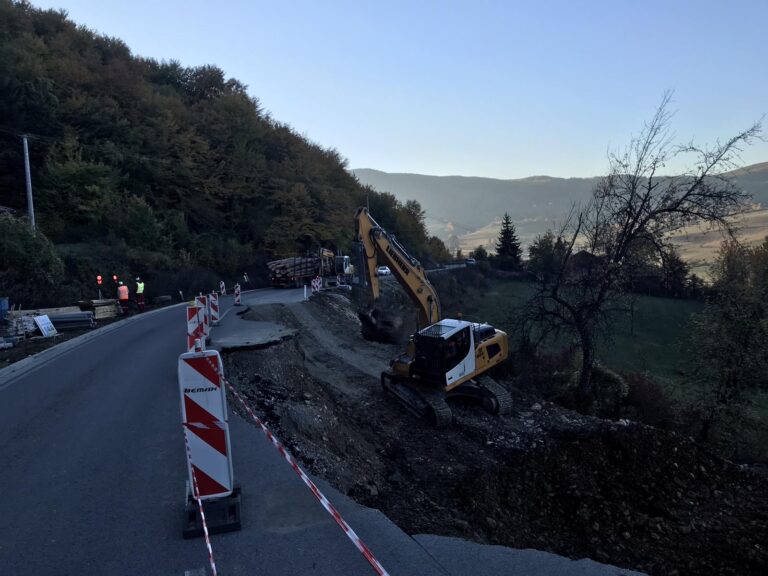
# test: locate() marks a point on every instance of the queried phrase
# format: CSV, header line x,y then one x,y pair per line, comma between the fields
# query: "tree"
x,y
675,272
30,269
479,253
545,255
437,250
728,346
633,204
508,246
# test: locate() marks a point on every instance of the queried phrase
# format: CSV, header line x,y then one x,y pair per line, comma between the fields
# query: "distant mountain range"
x,y
459,206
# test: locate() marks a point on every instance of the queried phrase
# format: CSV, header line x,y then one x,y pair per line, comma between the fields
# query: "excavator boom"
x,y
382,248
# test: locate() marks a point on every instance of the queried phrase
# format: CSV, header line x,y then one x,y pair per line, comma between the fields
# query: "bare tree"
x,y
588,276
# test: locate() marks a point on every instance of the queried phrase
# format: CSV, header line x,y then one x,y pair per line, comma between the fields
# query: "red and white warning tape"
x,y
330,508
359,544
200,506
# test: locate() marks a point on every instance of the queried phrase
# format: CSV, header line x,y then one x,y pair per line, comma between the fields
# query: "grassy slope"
x,y
653,344
649,343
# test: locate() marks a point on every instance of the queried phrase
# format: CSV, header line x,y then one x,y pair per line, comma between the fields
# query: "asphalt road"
x,y
92,465
92,477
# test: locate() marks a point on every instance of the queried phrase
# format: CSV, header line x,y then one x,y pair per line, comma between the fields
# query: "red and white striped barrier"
x,y
317,284
195,327
215,313
330,508
222,288
204,302
237,295
196,494
204,417
203,398
209,460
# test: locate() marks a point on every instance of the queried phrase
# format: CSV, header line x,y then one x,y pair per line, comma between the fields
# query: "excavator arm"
x,y
381,248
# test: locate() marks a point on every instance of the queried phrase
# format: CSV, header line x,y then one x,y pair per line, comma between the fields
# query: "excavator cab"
x,y
444,353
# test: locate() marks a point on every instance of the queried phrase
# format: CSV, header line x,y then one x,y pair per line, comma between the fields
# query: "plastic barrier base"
x,y
222,515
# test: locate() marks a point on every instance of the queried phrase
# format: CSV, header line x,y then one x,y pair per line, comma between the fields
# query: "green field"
x,y
648,341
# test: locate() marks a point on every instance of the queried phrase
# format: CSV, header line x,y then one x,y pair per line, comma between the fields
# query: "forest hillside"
x,y
153,168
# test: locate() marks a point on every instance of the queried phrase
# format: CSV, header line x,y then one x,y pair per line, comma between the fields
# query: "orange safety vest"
x,y
122,292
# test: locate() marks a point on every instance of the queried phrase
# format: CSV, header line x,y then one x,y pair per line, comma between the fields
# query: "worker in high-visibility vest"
x,y
122,296
140,294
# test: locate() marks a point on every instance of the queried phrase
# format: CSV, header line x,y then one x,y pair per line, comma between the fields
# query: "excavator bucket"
x,y
380,327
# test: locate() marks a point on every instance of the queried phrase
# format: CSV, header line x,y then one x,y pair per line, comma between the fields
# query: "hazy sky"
x,y
482,88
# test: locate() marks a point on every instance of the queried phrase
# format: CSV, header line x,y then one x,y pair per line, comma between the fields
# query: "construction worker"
x,y
140,294
122,297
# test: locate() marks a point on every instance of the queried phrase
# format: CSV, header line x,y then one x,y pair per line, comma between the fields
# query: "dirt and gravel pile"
x,y
632,496
543,477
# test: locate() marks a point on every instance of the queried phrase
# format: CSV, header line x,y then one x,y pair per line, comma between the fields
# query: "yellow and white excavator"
x,y
445,358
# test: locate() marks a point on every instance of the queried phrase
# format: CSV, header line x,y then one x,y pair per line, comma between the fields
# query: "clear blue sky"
x,y
504,89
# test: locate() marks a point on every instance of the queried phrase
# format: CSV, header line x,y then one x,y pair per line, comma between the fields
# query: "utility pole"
x,y
30,205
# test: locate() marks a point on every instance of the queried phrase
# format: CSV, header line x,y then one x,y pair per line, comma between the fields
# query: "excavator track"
x,y
498,399
491,395
424,402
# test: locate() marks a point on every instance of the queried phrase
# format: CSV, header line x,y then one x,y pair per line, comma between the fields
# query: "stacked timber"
x,y
293,271
105,308
299,271
47,311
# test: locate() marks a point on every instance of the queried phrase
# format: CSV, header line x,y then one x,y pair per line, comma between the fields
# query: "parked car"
x,y
383,271
471,261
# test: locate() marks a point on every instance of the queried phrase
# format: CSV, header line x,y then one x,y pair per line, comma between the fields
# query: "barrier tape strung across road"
x,y
330,508
200,506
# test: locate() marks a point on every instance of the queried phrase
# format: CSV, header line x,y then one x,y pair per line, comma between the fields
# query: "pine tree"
x,y
508,246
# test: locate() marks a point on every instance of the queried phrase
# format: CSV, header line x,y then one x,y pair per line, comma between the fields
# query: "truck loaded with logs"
x,y
299,271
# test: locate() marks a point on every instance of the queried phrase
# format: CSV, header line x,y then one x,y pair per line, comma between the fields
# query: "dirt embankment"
x,y
542,477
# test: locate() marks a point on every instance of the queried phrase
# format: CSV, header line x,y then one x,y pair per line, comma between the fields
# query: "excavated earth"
x,y
543,477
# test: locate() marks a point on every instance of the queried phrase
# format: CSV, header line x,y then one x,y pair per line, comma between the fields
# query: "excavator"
x,y
445,358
